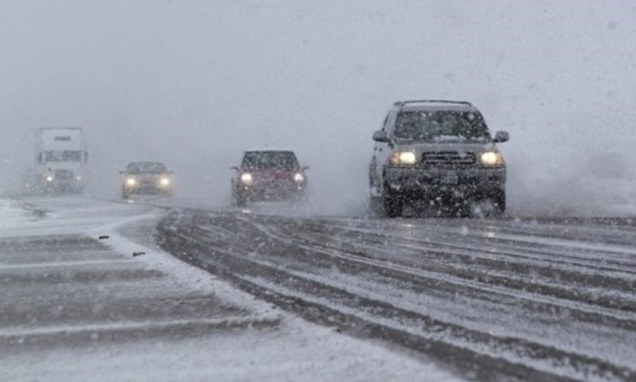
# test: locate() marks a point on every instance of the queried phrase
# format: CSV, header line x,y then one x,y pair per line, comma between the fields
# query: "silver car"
x,y
146,178
440,152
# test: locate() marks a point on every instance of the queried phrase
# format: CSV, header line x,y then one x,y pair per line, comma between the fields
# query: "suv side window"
x,y
386,121
388,127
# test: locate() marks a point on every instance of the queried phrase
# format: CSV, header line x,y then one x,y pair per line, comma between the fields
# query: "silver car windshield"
x,y
146,168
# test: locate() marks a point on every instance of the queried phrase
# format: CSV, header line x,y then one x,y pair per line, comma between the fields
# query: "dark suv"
x,y
268,175
437,151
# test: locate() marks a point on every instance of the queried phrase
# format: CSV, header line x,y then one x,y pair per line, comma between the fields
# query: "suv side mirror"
x,y
235,168
380,136
501,136
304,168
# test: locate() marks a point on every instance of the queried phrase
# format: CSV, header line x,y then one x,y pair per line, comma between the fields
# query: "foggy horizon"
x,y
193,84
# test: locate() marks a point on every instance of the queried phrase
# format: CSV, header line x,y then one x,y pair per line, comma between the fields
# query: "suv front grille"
x,y
448,158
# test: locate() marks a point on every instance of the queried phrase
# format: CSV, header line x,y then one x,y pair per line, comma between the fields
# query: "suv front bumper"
x,y
434,182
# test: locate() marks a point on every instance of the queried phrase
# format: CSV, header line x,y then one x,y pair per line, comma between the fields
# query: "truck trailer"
x,y
60,160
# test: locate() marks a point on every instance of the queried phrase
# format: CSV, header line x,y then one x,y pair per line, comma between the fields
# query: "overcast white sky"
x,y
193,83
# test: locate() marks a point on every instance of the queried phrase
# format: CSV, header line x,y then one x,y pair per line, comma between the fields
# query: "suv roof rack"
x,y
402,103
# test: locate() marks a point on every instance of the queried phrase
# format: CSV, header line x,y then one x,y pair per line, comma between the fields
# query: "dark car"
x,y
146,178
439,152
268,175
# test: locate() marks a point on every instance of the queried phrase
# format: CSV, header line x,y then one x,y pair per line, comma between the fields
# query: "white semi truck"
x,y
60,160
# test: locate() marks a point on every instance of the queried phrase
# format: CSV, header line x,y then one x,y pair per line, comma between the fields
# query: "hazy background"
x,y
193,83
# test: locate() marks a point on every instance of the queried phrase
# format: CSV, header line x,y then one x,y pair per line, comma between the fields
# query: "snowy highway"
x,y
86,282
308,191
531,299
87,295
475,299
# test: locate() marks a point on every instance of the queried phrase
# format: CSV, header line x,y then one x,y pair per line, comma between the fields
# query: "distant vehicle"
x,y
146,178
437,151
60,161
268,175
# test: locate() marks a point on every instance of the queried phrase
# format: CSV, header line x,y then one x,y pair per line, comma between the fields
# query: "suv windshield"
x,y
259,160
440,126
146,168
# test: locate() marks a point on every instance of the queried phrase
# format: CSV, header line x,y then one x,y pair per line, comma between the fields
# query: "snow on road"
x,y
542,298
78,308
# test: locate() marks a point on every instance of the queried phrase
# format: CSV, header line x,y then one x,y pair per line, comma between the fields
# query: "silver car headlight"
x,y
403,158
246,178
491,158
131,181
165,181
49,178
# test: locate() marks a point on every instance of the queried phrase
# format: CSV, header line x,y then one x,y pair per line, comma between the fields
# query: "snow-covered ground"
x,y
77,308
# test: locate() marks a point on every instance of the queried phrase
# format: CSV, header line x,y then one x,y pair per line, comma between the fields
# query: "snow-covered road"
x,y
533,299
86,295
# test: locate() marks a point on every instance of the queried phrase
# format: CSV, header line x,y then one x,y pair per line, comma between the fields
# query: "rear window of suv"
x,y
440,126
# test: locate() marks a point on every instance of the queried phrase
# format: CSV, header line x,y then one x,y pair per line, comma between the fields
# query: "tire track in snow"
x,y
258,252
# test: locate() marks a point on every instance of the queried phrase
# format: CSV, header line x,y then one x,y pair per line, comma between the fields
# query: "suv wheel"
x,y
239,200
500,204
375,206
392,204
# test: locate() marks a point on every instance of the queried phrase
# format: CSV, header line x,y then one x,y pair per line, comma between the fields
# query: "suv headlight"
x,y
491,158
299,178
165,181
246,178
403,158
131,181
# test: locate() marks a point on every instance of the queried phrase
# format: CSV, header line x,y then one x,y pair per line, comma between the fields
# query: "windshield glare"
x,y
440,126
280,160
